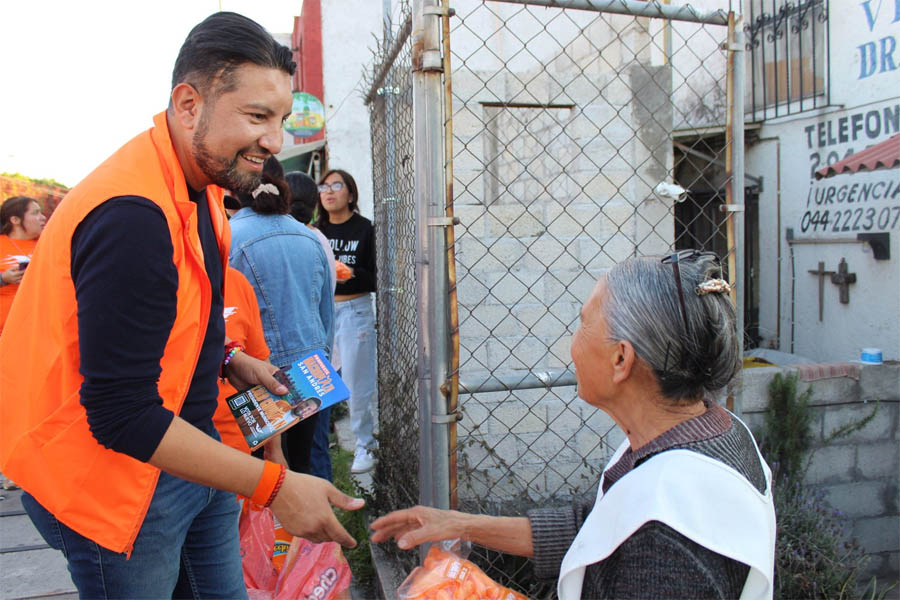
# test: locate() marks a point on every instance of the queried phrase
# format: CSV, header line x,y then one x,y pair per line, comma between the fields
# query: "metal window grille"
x,y
787,57
549,132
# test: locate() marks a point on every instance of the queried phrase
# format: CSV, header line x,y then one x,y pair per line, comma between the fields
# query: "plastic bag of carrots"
x,y
447,576
343,272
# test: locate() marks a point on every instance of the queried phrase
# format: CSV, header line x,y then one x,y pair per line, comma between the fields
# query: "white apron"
x,y
697,496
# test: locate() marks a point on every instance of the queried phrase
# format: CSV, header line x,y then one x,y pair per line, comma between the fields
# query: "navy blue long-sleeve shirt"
x,y
125,287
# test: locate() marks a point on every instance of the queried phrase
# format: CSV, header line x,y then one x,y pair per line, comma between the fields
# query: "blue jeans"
x,y
319,457
187,547
354,335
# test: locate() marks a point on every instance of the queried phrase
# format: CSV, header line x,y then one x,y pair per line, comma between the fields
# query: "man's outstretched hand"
x,y
303,507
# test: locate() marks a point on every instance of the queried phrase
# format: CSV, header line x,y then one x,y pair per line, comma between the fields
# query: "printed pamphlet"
x,y
313,384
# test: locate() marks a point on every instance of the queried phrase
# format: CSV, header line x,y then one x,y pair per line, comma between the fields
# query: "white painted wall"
x,y
865,105
348,27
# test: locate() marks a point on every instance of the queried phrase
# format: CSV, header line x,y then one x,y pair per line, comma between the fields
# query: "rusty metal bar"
x,y
635,8
453,382
396,47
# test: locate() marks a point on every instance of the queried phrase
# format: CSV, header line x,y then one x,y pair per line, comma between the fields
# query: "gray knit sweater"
x,y
656,561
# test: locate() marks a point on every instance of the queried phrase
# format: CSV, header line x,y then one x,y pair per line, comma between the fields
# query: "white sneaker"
x,y
363,461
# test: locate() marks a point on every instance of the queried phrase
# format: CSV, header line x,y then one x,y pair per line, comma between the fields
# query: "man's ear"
x,y
623,361
186,105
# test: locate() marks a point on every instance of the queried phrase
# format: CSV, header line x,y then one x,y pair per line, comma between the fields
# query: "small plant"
x,y
786,439
814,556
354,521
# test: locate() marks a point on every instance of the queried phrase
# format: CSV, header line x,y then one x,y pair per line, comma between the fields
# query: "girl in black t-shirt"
x,y
352,239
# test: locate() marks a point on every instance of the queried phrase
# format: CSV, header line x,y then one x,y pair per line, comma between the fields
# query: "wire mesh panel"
x,y
391,120
579,139
565,123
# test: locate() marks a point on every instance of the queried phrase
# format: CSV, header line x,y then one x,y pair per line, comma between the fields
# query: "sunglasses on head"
x,y
685,256
334,187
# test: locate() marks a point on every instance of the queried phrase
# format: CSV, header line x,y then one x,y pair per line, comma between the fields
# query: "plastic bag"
x,y
446,575
314,571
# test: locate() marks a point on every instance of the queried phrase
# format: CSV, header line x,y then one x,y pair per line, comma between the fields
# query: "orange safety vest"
x,y
45,444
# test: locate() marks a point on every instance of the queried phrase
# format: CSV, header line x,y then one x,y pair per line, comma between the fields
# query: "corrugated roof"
x,y
885,155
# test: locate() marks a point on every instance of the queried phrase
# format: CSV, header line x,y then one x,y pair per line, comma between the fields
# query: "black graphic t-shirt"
x,y
353,243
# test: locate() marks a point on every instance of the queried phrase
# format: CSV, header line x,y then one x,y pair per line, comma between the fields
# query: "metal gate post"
x,y
737,194
431,257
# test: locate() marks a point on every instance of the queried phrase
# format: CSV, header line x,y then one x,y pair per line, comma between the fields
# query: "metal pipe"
x,y
729,156
758,181
431,256
821,241
737,182
453,391
396,47
778,229
730,199
514,382
637,8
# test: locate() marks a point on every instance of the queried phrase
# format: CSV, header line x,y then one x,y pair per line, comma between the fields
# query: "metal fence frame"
x,y
426,35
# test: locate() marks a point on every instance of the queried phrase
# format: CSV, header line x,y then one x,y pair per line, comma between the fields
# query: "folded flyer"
x,y
313,384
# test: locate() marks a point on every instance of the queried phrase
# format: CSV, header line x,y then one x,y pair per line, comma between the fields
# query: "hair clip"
x,y
268,188
713,286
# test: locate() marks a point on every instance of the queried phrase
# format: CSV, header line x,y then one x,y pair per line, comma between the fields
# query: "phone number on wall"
x,y
851,219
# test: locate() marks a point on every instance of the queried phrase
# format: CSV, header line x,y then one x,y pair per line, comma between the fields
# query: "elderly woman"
x,y
684,507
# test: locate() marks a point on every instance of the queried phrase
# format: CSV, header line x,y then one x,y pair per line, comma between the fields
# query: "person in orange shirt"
x,y
21,222
242,325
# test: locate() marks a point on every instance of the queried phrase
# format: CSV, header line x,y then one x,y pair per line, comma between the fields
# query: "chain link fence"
x,y
563,125
390,102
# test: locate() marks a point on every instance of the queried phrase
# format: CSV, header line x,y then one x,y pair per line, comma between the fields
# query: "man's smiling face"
x,y
241,127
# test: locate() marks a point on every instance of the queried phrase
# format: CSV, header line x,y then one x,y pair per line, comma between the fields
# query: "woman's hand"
x,y
419,524
13,275
303,507
244,371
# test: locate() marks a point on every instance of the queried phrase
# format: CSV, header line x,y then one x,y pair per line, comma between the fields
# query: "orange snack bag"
x,y
446,576
343,271
281,546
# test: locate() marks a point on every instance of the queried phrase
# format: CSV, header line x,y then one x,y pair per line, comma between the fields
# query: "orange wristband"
x,y
267,482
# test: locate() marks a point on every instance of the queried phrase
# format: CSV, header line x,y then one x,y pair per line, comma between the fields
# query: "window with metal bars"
x,y
787,56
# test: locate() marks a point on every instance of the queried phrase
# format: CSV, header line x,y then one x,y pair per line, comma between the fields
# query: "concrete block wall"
x,y
548,199
859,473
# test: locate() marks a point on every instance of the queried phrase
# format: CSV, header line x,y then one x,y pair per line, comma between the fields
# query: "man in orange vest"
x,y
114,343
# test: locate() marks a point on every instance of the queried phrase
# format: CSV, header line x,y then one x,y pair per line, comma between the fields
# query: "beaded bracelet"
x,y
231,348
277,487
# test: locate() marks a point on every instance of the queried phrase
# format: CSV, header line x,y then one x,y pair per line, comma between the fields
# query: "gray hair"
x,y
642,307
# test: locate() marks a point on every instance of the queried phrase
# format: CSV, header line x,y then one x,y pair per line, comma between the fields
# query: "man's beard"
x,y
222,173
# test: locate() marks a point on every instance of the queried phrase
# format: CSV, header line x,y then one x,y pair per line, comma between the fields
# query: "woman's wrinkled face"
x,y
591,349
335,201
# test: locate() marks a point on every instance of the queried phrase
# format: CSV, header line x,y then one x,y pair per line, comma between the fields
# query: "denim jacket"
x,y
288,269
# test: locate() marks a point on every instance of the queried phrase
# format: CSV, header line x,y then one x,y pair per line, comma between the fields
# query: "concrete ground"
x,y
28,567
31,569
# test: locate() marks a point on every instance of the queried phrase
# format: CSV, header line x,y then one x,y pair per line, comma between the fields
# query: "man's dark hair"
x,y
266,202
304,195
221,43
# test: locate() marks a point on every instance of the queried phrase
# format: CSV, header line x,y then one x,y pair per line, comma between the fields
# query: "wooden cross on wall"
x,y
843,279
821,273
